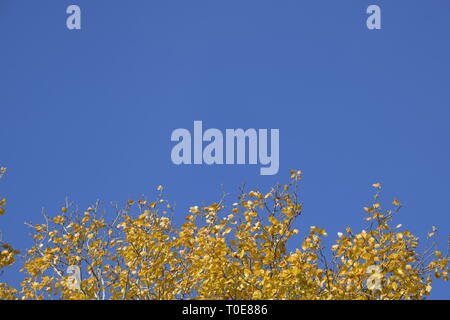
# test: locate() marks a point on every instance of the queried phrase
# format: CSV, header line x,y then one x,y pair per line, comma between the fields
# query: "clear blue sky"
x,y
88,114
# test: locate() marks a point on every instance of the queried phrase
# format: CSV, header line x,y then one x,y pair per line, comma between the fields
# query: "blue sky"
x,y
88,114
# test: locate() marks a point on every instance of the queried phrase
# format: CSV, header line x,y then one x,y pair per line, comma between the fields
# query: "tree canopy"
x,y
248,249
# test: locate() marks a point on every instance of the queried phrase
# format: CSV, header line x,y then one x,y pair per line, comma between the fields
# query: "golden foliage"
x,y
7,254
240,252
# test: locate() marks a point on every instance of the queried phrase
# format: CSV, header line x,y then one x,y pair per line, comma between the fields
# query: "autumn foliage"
x,y
246,250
